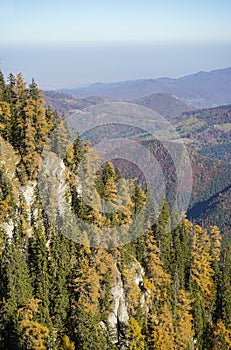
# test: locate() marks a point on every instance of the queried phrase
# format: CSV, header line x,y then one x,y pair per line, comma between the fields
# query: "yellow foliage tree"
x,y
201,271
162,333
222,337
157,281
134,335
215,238
34,334
183,322
66,344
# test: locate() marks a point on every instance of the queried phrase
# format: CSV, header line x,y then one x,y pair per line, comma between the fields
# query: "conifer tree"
x,y
163,236
66,344
224,290
2,86
108,193
222,337
17,290
183,325
181,259
87,204
89,292
5,120
59,273
202,286
162,331
38,262
134,335
74,154
34,334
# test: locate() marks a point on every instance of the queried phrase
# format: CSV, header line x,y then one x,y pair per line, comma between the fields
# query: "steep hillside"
x,y
84,261
209,176
210,198
216,210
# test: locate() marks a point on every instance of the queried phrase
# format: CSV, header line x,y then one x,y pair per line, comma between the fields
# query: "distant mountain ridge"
x,y
203,89
66,103
165,104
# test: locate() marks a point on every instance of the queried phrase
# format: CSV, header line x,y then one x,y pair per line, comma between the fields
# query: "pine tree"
x,y
10,93
138,198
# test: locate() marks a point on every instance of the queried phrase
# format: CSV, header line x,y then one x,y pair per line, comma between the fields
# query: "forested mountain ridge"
x,y
210,177
206,131
168,289
66,103
162,103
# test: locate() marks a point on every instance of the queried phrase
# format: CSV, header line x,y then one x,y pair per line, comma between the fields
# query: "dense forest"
x,y
207,131
168,289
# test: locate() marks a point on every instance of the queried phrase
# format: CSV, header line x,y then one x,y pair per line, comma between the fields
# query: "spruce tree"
x,y
59,274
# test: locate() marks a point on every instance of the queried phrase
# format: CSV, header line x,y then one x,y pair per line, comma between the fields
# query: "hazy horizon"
x,y
66,44
71,66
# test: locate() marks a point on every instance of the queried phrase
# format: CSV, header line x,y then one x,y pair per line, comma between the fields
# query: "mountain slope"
x,y
211,181
208,131
216,210
66,103
164,104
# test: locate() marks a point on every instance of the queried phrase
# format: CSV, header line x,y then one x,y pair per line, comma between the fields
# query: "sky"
x,y
67,43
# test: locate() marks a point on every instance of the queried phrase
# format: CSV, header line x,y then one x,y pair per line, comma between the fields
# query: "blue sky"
x,y
111,28
115,20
